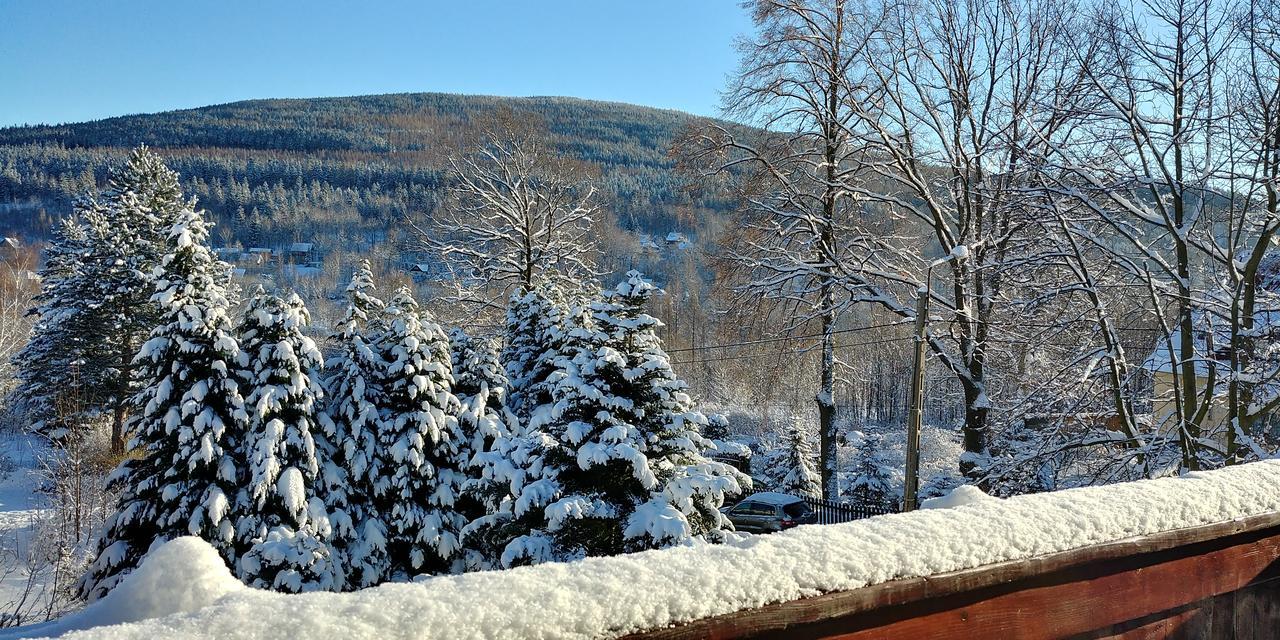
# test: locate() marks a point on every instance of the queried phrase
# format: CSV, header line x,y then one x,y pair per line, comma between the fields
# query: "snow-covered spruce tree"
x,y
348,441
801,476
178,480
142,202
418,480
628,460
47,367
480,384
281,523
534,331
872,473
721,446
514,533
98,308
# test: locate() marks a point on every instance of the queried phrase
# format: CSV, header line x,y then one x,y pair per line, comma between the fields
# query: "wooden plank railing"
x,y
1219,581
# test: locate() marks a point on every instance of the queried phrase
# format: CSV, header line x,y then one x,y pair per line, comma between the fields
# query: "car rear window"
x,y
796,509
754,509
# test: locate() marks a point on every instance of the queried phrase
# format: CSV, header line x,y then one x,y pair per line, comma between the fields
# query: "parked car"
x,y
768,511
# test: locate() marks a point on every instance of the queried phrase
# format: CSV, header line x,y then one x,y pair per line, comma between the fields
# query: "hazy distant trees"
x,y
319,167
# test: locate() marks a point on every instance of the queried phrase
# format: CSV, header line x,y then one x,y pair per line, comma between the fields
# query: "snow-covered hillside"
x,y
183,590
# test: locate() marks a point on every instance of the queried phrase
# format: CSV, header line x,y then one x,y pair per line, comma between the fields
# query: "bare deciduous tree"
x,y
795,84
944,115
518,211
1145,172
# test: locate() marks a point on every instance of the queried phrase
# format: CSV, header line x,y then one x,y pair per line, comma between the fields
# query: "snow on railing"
x,y
187,592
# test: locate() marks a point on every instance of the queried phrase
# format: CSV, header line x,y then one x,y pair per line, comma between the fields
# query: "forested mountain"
x,y
269,169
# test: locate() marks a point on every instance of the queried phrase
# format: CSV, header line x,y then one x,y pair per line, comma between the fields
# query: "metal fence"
x,y
829,512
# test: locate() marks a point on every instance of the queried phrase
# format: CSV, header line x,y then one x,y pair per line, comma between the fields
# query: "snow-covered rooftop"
x,y
1207,334
183,590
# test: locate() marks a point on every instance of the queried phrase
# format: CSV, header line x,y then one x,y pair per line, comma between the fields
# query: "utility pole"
x,y
916,415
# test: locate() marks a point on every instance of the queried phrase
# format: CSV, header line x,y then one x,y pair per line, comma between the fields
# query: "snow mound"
x,y
179,576
960,496
607,597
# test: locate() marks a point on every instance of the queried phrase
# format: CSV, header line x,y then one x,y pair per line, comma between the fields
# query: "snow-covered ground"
x,y
184,591
21,507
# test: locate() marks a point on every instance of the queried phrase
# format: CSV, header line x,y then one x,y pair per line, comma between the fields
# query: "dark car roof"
x,y
773,498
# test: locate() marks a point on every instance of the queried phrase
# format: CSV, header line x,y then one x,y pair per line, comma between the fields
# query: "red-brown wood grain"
x,y
1214,581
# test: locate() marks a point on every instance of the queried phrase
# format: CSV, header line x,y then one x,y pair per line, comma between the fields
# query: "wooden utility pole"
x,y
916,415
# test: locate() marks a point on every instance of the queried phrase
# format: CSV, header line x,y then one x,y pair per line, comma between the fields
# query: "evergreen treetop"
x,y
179,480
419,481
282,523
628,457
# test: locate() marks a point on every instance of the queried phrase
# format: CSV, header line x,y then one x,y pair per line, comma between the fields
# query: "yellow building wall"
x,y
1163,406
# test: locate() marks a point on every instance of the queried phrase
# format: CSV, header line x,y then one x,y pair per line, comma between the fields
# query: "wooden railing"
x,y
1219,581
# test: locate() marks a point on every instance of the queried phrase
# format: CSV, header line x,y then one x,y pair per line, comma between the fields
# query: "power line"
x,y
886,340
775,354
727,345
786,338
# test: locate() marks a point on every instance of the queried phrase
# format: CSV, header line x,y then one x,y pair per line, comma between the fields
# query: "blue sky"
x,y
74,60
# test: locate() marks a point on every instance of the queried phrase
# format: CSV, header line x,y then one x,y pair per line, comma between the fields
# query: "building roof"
x,y
1212,343
301,247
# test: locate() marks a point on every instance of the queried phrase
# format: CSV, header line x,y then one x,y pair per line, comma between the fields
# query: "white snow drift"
x,y
603,597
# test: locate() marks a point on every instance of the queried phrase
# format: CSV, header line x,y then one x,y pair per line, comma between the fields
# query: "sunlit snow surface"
x,y
959,497
602,597
21,507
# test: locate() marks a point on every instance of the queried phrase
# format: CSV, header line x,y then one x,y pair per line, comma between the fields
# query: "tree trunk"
x,y
826,404
976,412
826,256
117,428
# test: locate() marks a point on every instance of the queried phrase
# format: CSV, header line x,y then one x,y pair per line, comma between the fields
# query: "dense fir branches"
x,y
418,481
801,476
349,436
47,366
627,454
408,458
282,522
179,479
534,333
96,307
485,424
872,473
